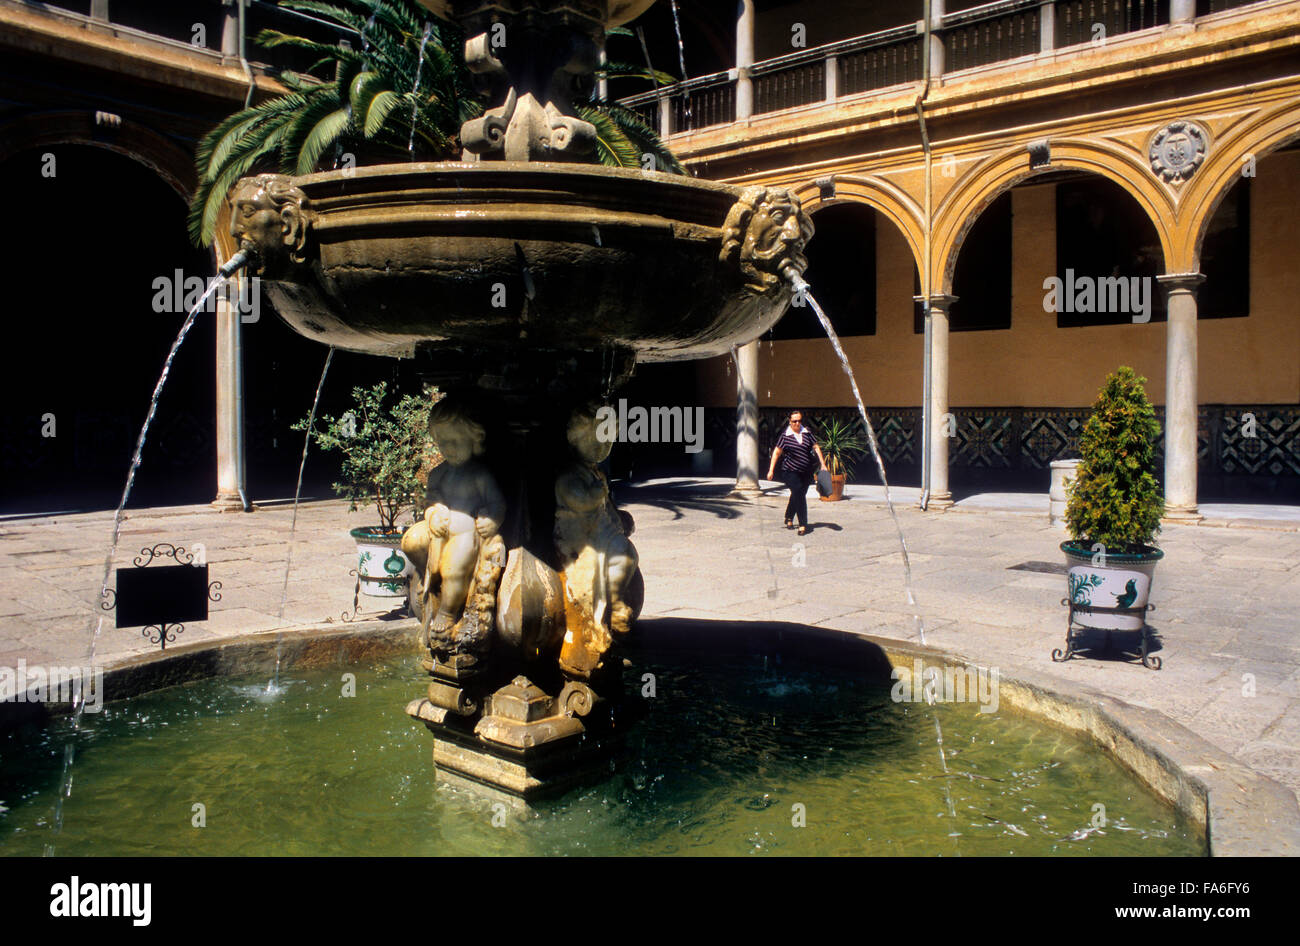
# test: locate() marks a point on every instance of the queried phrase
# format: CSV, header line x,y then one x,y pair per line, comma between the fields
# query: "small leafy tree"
x,y
1115,498
842,444
387,452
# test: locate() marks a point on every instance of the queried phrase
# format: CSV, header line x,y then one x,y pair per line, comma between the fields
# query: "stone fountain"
x,y
529,282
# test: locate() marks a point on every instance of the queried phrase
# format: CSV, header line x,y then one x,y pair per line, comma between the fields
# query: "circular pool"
x,y
734,755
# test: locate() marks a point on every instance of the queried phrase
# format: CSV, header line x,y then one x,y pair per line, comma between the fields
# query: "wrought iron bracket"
x,y
1150,661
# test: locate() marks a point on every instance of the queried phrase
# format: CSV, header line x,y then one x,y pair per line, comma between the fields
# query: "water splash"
x,y
78,702
262,694
804,290
943,756
297,494
419,67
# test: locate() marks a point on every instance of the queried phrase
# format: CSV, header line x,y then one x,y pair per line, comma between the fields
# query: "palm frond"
x,y
323,134
391,92
377,113
613,147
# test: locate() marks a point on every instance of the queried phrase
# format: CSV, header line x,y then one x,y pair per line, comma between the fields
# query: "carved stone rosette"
x,y
1177,150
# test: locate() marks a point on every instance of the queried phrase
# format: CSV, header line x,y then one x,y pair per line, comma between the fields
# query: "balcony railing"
x,y
981,36
199,26
885,59
1086,21
992,33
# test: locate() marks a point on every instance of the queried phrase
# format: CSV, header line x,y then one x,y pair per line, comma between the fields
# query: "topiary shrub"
x,y
1115,498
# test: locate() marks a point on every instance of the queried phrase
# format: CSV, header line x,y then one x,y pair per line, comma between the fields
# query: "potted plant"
x,y
1114,508
842,445
387,453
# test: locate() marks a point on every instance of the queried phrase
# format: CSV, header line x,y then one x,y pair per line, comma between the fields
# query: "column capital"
x,y
1181,282
938,300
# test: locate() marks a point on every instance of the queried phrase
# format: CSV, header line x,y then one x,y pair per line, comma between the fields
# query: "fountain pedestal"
x,y
517,737
534,284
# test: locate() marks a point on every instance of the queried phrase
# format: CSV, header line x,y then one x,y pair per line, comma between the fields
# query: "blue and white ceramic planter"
x,y
380,563
1117,580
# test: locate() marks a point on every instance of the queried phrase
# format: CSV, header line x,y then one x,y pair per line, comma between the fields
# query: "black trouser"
x,y
798,484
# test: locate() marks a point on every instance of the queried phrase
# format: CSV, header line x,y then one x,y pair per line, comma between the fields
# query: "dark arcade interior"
x,y
93,326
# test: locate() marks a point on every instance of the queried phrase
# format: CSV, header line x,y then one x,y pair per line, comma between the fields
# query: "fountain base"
x,y
524,741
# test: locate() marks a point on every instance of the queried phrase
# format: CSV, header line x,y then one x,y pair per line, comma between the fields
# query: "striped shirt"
x,y
797,457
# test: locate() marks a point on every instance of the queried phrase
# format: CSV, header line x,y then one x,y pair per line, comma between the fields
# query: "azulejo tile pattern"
x,y
1260,440
1241,440
983,439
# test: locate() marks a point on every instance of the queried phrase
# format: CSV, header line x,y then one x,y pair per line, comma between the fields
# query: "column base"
x,y
230,502
939,502
1181,515
746,491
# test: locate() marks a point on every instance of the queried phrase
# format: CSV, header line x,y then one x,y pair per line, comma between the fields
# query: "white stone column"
x,y
1181,12
230,402
230,28
100,15
665,115
940,422
1047,27
936,37
744,59
1180,395
747,458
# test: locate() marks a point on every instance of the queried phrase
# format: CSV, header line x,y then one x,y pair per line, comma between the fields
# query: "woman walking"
x,y
794,451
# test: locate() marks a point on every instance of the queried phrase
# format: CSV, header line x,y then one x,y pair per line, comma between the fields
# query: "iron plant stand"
x,y
1150,661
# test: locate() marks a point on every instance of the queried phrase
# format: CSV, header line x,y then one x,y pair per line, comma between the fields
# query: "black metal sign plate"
x,y
164,594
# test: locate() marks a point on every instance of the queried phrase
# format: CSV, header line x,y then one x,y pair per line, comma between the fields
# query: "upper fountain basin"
x,y
544,256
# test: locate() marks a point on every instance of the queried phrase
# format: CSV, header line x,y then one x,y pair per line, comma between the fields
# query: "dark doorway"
x,y
842,274
1102,233
86,344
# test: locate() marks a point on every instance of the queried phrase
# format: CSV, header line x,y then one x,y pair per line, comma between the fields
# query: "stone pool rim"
x,y
1240,812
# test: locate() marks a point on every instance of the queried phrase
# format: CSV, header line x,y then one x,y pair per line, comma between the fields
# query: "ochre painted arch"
x,y
886,199
1268,130
960,208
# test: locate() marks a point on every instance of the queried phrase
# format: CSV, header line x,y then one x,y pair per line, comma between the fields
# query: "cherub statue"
x,y
597,559
458,548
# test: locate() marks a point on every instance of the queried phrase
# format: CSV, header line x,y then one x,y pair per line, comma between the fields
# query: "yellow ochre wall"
x,y
1255,360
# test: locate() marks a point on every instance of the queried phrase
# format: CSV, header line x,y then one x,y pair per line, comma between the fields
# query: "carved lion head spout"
x,y
764,235
271,216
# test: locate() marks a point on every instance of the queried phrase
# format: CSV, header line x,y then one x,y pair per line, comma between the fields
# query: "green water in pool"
x,y
730,759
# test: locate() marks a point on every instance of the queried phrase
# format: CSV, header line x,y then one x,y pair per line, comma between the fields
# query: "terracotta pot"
x,y
380,563
837,489
1124,581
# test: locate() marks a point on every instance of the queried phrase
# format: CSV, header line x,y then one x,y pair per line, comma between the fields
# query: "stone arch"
x,y
959,209
1267,130
129,139
886,199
